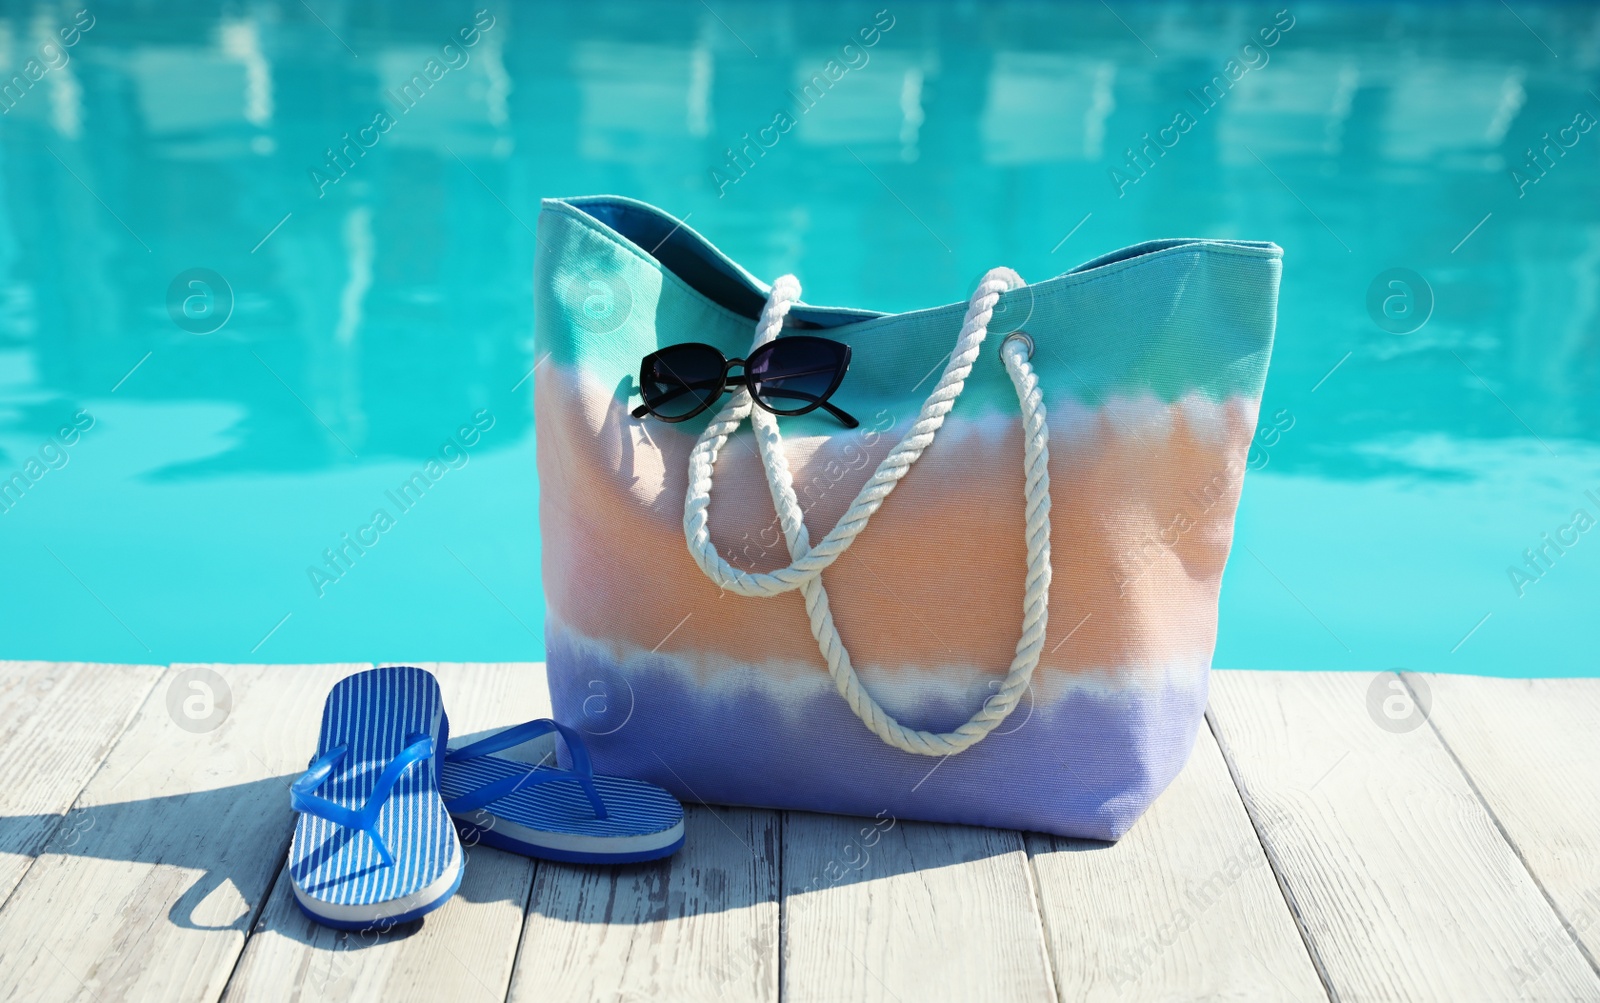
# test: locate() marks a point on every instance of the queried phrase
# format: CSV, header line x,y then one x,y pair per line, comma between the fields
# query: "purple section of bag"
x,y
1085,762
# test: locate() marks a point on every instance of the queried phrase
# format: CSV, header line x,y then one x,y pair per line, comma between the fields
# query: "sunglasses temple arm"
x,y
844,417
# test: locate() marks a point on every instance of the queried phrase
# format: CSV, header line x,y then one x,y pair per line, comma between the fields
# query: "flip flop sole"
x,y
555,820
385,914
504,835
336,872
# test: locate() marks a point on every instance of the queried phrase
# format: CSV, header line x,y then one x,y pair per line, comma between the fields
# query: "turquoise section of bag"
x,y
615,279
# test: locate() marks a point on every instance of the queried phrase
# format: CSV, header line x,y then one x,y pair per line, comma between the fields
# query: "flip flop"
x,y
539,810
373,843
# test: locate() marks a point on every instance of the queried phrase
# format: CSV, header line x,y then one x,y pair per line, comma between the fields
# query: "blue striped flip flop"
x,y
373,844
539,810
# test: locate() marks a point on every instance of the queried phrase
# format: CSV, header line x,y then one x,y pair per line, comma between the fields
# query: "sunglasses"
x,y
788,376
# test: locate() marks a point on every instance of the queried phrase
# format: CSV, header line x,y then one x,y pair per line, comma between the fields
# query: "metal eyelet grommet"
x,y
1021,336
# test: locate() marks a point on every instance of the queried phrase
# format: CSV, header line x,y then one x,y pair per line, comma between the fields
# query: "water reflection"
x,y
380,274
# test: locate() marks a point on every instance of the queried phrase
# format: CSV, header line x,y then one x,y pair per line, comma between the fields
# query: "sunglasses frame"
x,y
743,380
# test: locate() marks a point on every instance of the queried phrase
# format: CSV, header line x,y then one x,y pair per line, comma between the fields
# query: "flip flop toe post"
x,y
532,807
373,843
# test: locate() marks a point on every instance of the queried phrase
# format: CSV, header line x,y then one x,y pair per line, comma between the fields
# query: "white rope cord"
x,y
702,459
807,562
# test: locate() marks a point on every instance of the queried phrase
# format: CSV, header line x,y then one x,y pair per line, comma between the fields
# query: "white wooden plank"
x,y
1403,886
701,925
58,720
1532,749
186,828
1184,906
879,909
462,951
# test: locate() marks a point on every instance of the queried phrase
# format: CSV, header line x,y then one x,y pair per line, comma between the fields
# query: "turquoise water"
x,y
169,172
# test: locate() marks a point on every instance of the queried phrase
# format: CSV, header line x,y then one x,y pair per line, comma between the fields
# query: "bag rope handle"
x,y
808,562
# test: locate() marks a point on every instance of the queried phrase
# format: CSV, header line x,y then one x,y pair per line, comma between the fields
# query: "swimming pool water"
x,y
349,191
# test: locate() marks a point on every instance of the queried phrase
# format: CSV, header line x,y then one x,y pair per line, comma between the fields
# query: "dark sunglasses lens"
x,y
792,375
678,381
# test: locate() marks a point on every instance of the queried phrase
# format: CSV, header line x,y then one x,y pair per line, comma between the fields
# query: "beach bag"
x,y
994,602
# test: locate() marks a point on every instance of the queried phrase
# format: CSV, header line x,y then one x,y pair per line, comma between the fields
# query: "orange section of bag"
x,y
1142,519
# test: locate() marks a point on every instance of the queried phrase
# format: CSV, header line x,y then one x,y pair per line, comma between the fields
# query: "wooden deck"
x,y
1307,852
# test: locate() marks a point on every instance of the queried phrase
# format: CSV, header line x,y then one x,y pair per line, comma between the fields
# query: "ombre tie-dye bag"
x,y
993,602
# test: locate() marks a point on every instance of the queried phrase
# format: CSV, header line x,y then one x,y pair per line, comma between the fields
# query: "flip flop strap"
x,y
582,767
365,818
